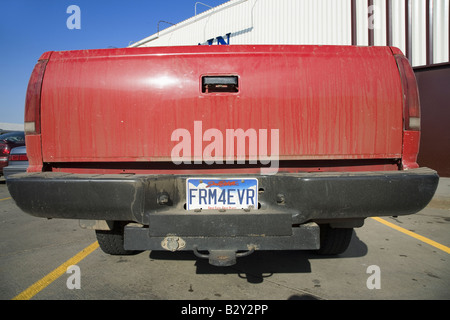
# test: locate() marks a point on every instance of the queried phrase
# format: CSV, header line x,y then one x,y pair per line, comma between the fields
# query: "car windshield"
x,y
13,136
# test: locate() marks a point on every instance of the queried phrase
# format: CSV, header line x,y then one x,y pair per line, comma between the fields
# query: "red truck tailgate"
x,y
328,102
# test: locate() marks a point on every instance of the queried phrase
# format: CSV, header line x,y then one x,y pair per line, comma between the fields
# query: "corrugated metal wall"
x,y
420,28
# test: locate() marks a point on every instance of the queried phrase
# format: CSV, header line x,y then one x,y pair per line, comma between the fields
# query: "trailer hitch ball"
x,y
222,258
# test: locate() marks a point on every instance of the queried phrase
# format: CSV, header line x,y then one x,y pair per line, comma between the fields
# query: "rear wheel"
x,y
112,241
334,240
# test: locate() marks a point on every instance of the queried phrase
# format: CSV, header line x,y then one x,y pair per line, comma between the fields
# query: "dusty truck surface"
x,y
223,150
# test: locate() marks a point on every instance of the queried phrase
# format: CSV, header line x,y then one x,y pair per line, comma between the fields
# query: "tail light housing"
x,y
33,96
18,157
411,111
411,103
4,150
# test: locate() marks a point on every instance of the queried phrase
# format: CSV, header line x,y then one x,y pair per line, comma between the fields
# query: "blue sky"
x,y
29,28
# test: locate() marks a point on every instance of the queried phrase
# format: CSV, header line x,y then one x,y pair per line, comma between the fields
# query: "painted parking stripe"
x,y
5,199
55,274
414,235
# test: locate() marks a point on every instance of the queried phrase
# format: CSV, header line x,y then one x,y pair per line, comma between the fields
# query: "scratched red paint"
x,y
328,102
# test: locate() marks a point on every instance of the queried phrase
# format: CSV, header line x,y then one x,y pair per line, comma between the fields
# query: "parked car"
x,y
9,141
18,162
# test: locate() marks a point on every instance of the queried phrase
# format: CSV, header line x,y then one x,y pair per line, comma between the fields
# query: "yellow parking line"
x,y
414,235
55,274
5,199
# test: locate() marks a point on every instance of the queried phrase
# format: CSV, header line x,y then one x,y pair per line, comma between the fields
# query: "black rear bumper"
x,y
284,200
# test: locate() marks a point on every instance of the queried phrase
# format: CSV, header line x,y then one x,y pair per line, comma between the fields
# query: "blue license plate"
x,y
221,194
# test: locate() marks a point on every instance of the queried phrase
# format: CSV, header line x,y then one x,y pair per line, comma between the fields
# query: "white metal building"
x,y
420,28
4,127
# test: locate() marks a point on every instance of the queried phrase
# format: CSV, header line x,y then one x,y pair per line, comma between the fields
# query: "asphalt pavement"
x,y
406,257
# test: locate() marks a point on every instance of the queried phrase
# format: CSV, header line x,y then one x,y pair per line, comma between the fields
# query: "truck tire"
x,y
112,241
334,240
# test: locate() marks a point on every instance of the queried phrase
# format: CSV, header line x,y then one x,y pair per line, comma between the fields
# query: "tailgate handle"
x,y
212,84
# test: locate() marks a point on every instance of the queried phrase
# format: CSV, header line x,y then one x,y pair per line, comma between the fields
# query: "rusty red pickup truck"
x,y
223,150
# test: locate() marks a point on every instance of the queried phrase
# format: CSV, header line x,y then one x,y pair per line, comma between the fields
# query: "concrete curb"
x,y
441,199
